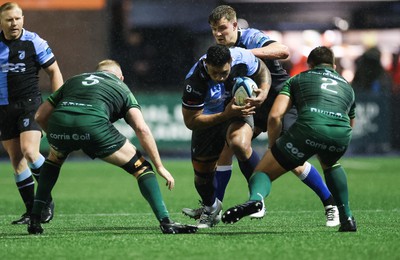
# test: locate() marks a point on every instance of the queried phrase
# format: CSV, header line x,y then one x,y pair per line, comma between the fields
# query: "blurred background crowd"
x,y
157,42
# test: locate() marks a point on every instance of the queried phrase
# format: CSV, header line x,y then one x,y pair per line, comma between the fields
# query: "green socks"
x,y
259,186
48,178
337,183
150,190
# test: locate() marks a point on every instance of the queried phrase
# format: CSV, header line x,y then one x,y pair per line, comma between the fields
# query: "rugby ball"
x,y
243,88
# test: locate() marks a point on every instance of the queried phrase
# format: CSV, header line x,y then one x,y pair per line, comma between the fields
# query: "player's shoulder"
x,y
252,38
237,52
251,33
241,55
30,36
197,72
244,32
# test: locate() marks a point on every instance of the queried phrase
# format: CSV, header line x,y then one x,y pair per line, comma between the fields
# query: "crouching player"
x,y
79,116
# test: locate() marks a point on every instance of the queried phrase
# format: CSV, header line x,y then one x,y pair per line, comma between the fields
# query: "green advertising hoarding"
x,y
162,112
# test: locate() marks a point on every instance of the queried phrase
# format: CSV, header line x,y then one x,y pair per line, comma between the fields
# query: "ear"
x,y
235,25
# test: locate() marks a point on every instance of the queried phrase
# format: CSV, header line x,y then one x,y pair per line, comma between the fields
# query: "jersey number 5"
x,y
91,80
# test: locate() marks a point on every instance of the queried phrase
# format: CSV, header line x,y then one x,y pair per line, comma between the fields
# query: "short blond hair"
x,y
107,63
110,66
9,6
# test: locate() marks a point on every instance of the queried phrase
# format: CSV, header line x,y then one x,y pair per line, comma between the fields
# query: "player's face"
x,y
219,74
11,23
225,32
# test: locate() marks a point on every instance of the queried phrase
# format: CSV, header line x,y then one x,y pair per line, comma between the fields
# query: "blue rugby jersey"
x,y
251,38
201,92
20,61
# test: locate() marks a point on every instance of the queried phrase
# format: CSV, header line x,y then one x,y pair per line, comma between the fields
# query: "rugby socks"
x,y
259,184
337,182
247,167
222,177
48,178
26,188
36,166
150,190
205,186
311,177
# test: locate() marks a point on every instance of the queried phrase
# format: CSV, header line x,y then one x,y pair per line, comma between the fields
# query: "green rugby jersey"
x,y
99,94
322,97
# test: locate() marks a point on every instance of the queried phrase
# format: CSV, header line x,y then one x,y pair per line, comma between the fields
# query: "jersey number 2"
x,y
329,83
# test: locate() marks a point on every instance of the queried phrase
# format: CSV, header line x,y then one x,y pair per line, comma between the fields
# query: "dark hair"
x,y
321,55
218,55
220,12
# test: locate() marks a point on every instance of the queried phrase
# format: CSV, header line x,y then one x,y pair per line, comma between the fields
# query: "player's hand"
x,y
233,110
167,176
261,96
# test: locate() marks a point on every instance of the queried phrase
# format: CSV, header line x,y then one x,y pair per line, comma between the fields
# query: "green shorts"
x,y
95,136
301,142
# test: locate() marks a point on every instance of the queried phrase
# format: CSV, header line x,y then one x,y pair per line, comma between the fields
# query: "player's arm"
x,y
272,51
352,122
352,114
55,76
195,119
43,114
281,105
263,80
135,119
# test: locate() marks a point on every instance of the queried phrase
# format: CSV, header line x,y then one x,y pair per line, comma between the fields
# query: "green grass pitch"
x,y
100,214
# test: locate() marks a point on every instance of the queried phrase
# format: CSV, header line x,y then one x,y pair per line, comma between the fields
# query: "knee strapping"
x,y
137,165
331,168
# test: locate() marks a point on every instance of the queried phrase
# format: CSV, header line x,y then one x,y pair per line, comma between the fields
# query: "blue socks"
x,y
222,177
224,172
247,167
313,179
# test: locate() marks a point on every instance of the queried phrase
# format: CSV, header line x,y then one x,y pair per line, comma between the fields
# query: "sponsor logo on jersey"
x,y
75,137
329,113
74,104
11,67
293,150
322,146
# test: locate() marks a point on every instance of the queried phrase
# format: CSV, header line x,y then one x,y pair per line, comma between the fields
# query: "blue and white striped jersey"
x,y
20,62
201,92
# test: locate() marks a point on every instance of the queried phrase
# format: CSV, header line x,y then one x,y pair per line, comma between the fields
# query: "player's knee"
x,y
204,165
30,154
242,150
329,168
138,165
57,157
